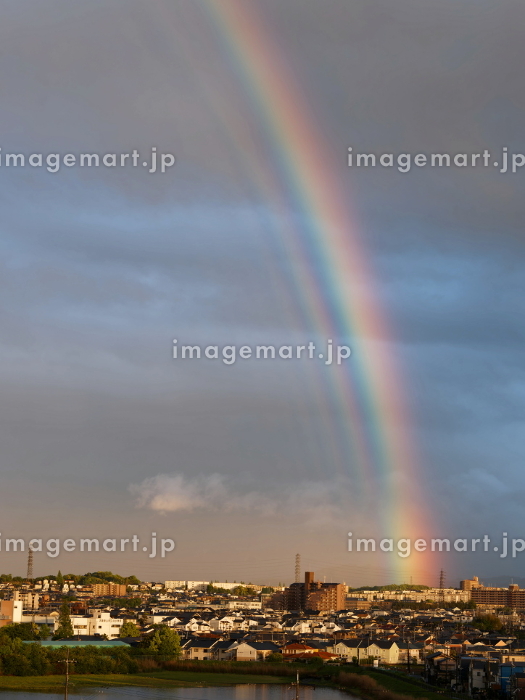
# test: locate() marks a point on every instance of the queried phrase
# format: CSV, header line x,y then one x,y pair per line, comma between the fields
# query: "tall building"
x,y
470,584
117,589
511,597
311,595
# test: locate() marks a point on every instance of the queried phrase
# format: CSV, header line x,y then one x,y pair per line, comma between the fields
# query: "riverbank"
x,y
406,687
156,679
180,679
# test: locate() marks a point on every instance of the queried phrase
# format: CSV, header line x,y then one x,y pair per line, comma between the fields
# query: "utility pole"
x,y
67,661
297,568
297,687
408,648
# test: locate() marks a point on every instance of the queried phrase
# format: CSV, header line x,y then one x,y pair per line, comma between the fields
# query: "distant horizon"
x,y
498,581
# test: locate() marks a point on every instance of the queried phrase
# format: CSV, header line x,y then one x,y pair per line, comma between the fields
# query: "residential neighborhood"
x,y
477,649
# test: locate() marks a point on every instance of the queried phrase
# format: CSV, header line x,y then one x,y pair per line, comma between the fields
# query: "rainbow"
x,y
335,284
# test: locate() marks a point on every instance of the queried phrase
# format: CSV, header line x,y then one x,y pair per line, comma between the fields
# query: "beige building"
x,y
10,611
310,595
111,589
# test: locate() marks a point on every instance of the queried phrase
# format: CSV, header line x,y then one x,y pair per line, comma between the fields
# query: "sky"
x,y
105,435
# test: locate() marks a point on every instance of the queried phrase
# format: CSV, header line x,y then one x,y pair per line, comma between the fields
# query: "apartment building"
x,y
312,595
109,589
97,622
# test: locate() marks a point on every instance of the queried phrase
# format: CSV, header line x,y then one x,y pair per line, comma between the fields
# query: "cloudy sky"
x,y
103,434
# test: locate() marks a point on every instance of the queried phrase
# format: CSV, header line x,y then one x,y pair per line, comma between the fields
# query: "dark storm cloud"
x,y
100,268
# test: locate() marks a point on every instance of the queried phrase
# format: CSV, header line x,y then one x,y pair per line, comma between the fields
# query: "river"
x,y
235,692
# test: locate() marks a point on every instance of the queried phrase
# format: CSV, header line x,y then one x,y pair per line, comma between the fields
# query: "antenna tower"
x,y
30,564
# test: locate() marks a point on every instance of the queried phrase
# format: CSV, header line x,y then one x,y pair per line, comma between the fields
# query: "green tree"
x,y
24,631
165,642
129,629
487,623
60,579
37,657
65,628
243,591
45,632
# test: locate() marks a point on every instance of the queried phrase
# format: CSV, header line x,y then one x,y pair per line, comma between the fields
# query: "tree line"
x,y
22,655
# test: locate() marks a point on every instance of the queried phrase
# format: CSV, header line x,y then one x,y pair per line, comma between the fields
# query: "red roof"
x,y
316,654
297,645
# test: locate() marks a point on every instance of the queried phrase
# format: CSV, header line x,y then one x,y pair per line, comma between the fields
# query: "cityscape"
x,y
469,639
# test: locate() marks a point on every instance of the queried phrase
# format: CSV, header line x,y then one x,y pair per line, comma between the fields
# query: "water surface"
x,y
234,692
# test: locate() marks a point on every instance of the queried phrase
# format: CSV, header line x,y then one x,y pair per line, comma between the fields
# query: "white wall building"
x,y
447,595
190,585
244,604
97,622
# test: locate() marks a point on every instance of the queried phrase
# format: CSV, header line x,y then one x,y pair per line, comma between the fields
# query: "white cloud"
x,y
318,502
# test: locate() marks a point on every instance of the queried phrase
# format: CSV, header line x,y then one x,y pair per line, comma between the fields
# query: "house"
x,y
440,669
347,649
199,648
507,671
254,651
476,674
224,649
387,652
317,654
297,648
245,652
416,650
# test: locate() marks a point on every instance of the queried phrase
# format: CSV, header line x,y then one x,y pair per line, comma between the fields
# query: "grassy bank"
x,y
404,687
368,684
157,679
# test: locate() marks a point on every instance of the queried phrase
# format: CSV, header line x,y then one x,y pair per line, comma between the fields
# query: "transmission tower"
x,y
442,579
30,564
442,586
297,568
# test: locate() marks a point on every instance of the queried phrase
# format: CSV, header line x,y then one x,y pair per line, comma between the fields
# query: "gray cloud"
x,y
321,503
99,270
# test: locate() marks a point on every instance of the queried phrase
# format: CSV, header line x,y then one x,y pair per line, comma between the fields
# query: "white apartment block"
x,y
447,595
190,585
97,622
